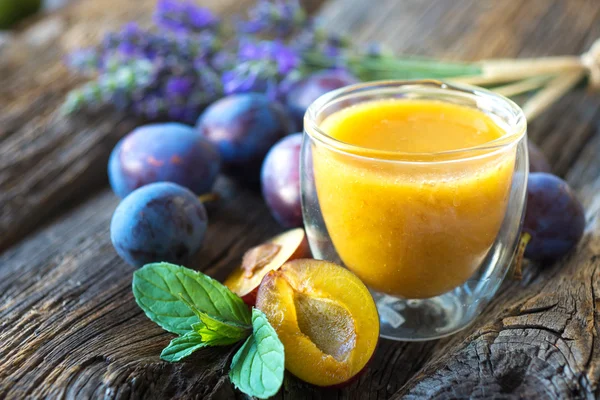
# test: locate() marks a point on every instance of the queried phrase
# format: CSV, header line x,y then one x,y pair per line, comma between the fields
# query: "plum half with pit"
x,y
260,260
324,316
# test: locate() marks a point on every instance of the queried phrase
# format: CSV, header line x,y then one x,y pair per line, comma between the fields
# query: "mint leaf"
x,y
218,332
210,331
162,291
257,367
182,347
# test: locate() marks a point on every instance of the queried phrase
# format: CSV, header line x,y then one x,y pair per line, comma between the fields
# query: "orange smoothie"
x,y
416,224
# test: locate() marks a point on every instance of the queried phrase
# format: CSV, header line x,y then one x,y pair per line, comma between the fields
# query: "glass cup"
x,y
432,234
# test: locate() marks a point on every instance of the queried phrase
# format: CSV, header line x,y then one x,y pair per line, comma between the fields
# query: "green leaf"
x,y
218,332
257,368
182,347
163,291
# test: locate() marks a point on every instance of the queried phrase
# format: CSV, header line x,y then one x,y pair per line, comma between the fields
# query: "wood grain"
x,y
69,324
69,327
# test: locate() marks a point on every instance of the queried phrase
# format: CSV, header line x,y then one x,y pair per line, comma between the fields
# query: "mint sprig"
x,y
257,368
203,312
159,289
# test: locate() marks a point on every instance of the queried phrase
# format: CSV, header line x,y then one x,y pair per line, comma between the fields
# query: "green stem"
x,y
377,68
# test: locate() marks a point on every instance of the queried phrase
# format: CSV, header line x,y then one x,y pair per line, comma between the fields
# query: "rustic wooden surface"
x,y
69,327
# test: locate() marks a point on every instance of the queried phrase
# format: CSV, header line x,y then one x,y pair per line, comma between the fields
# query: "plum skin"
x,y
280,179
304,92
158,222
169,152
243,127
554,217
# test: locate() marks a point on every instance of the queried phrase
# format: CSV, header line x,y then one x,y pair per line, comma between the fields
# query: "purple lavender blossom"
x,y
184,16
84,61
133,42
280,18
183,90
285,58
250,77
262,66
315,39
179,86
161,88
151,106
222,60
175,69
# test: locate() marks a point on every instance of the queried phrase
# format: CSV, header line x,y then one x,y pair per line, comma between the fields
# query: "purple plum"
x,y
554,218
280,179
244,127
158,222
168,152
303,93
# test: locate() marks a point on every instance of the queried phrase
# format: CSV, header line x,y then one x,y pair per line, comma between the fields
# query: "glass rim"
x,y
516,132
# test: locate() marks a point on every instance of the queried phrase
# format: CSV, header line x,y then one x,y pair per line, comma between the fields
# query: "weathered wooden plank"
x,y
70,327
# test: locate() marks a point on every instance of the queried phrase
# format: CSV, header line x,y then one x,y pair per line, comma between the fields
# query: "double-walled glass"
x,y
431,234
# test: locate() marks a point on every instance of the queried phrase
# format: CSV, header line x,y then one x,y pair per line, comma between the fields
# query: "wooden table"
x,y
69,327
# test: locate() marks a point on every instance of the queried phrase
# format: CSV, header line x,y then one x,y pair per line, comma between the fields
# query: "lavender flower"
x,y
132,42
274,17
178,91
222,60
250,77
151,89
274,52
84,61
184,16
112,87
315,39
177,68
263,66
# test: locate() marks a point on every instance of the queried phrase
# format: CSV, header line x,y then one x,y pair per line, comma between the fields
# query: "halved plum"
x,y
260,260
324,316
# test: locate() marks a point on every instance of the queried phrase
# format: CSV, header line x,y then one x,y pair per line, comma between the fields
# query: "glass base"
x,y
423,319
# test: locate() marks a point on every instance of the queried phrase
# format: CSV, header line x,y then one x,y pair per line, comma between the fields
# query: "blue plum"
x,y
169,152
244,127
280,181
303,93
158,222
554,218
